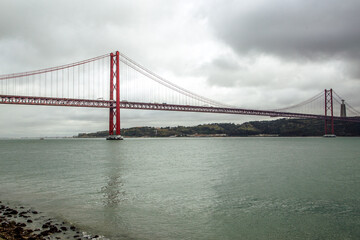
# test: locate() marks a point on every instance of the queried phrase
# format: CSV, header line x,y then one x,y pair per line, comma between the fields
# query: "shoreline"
x,y
19,222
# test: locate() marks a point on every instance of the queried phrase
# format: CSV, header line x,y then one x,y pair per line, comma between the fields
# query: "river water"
x,y
190,188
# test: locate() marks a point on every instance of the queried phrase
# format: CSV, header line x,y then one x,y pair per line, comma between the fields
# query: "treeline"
x,y
280,127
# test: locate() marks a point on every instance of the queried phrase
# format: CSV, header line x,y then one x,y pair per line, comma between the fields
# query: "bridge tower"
x,y
342,109
114,114
329,107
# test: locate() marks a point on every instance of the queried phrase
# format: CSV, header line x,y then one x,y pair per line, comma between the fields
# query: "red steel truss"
x,y
28,100
329,107
114,113
46,101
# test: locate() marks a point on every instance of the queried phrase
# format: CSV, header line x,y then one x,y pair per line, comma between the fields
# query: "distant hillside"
x,y
280,127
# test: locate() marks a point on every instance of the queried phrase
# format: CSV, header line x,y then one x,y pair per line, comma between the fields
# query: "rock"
x,y
12,211
63,228
18,230
4,224
21,224
18,236
45,226
34,212
29,221
53,229
44,233
73,228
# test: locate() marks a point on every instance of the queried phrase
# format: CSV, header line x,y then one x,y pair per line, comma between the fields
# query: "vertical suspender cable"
x,y
45,84
68,83
78,81
98,71
73,81
88,82
83,80
51,83
57,84
93,80
62,83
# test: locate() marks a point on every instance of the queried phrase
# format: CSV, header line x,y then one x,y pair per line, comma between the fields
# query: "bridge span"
x,y
86,84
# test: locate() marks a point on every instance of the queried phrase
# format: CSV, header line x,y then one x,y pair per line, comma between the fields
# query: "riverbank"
x,y
279,127
18,222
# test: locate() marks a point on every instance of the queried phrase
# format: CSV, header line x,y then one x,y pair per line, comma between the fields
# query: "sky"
x,y
253,54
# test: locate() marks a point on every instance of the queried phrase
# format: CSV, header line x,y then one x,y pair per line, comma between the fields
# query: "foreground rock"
x,y
10,230
17,223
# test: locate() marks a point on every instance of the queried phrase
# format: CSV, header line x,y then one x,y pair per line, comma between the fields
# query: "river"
x,y
190,188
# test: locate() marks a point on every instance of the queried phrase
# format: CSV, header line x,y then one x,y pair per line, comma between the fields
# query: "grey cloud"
x,y
295,29
227,71
38,34
308,34
226,63
47,33
221,71
175,37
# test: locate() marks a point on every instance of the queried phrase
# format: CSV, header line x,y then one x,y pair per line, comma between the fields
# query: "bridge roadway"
x,y
69,102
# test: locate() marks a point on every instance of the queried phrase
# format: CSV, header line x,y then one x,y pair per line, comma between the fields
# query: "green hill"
x,y
280,127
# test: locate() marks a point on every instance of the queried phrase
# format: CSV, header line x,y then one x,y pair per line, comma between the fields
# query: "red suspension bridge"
x,y
132,86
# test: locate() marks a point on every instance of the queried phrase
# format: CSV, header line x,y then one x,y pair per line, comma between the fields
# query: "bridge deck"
x,y
68,102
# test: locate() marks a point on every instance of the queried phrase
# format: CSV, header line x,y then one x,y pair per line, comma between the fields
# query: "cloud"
x,y
257,54
297,30
286,45
39,34
294,29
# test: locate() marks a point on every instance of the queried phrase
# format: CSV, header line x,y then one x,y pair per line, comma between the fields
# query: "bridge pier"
x,y
114,112
114,137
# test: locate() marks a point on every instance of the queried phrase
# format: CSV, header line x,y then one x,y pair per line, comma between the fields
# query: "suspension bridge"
x,y
115,81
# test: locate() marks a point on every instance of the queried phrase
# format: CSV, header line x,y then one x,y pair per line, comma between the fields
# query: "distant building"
x,y
343,109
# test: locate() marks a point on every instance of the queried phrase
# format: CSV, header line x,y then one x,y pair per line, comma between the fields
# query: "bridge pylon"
x,y
114,112
329,106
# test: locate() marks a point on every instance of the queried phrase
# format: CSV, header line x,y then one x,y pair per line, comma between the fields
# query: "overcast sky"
x,y
254,54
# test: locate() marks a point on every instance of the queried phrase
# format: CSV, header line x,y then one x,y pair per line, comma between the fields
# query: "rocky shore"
x,y
17,222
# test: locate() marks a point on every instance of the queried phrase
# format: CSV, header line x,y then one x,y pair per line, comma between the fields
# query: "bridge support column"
x,y
329,107
114,113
